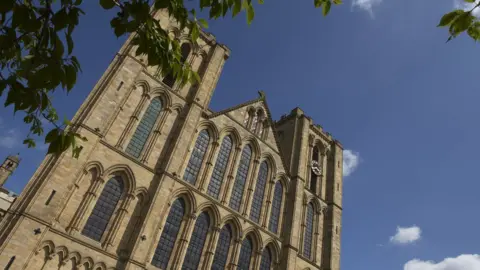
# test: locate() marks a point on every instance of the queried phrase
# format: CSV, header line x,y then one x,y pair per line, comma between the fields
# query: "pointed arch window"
x,y
169,235
144,128
196,159
170,79
259,192
103,210
241,178
223,246
313,176
276,207
308,238
266,262
245,254
220,167
195,248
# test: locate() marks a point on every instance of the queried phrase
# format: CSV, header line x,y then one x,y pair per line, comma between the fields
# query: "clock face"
x,y
316,169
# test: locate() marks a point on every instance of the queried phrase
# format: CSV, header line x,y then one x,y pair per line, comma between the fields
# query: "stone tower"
x,y
165,183
8,167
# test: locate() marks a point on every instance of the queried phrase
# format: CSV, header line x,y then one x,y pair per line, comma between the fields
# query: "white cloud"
x,y
461,4
406,235
462,262
10,139
366,5
351,160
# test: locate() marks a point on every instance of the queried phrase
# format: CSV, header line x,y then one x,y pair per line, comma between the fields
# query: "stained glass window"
x,y
266,262
169,234
223,246
259,192
103,210
245,255
276,207
241,178
197,241
307,240
196,159
139,138
169,80
220,168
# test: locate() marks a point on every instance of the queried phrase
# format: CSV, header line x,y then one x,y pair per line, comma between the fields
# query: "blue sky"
x,y
378,76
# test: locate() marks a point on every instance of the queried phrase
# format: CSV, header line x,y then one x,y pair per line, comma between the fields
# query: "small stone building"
x,y
165,183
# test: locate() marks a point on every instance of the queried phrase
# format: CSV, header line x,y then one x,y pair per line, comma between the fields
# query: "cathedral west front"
x,y
163,182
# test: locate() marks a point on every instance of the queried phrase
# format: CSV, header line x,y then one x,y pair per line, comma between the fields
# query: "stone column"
x,y
118,220
235,254
90,195
266,210
155,134
251,178
257,258
230,177
181,250
212,245
204,179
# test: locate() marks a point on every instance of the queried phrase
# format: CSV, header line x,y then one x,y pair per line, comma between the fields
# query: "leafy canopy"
x,y
36,50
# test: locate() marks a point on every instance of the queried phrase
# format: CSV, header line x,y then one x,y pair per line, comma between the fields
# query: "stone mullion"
x,y
235,254
317,240
119,108
309,166
117,221
230,177
90,195
181,250
266,210
208,166
210,252
323,160
257,258
252,176
132,121
155,134
302,229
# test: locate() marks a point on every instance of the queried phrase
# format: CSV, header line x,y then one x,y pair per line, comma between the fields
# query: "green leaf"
x,y
29,142
203,23
69,43
237,7
448,18
326,7
261,2
70,76
250,14
470,1
107,4
461,23
194,33
52,135
317,3
6,5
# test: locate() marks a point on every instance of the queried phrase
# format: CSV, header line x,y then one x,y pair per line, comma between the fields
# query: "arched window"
x,y
245,254
103,210
144,128
241,178
254,122
313,176
169,235
266,262
196,159
220,168
170,79
307,240
276,207
259,192
223,246
197,241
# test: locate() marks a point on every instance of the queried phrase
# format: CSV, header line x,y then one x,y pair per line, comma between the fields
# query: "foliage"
x,y
459,21
36,51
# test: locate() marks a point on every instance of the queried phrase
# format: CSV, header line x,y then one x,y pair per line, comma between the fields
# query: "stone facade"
x,y
191,189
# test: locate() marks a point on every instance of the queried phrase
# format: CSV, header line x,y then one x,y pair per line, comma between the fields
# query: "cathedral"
x,y
163,182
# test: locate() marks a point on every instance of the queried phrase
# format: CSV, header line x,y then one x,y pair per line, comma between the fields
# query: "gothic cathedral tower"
x,y
7,168
165,183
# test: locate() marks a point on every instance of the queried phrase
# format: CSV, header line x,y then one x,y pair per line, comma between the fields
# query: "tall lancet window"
x,y
169,80
196,159
313,172
245,254
220,167
276,207
259,192
169,235
139,138
223,246
266,261
103,210
195,248
308,237
241,178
